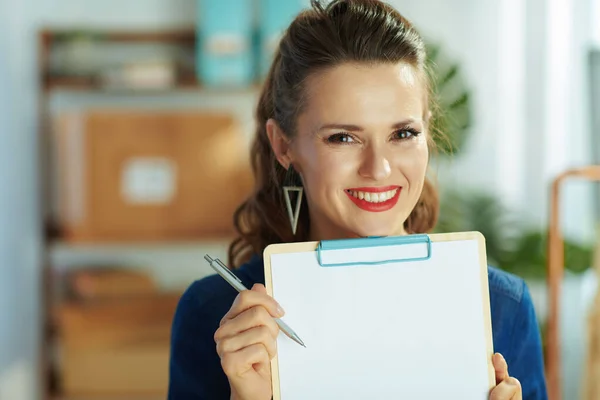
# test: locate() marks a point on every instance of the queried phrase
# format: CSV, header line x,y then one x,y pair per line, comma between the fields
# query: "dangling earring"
x,y
293,186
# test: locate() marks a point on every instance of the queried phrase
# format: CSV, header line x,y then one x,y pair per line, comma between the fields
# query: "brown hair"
x,y
363,31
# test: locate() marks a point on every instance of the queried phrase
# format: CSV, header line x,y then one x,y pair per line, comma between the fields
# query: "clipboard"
x,y
383,317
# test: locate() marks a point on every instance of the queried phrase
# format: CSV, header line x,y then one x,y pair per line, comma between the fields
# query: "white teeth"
x,y
374,197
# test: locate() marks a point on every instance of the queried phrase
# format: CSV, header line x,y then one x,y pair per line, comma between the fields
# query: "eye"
x,y
406,134
342,138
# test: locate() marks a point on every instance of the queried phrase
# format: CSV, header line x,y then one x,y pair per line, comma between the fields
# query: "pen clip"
x,y
223,267
228,270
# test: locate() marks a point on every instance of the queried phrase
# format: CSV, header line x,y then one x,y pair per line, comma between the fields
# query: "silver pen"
x,y
234,281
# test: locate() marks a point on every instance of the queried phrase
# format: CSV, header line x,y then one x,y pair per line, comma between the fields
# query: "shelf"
x,y
67,254
173,265
185,83
180,35
167,245
85,83
184,38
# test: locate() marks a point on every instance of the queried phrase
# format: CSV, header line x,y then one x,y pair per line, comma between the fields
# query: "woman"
x,y
344,114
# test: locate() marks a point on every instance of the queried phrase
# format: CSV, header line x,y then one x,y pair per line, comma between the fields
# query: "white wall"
x,y
593,22
567,118
16,356
19,243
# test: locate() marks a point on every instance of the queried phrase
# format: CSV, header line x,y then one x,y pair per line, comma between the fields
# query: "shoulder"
x,y
510,306
506,285
509,301
205,299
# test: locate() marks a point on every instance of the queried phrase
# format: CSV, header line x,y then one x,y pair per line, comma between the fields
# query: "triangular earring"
x,y
295,213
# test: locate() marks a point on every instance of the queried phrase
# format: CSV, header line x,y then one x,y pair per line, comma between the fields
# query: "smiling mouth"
x,y
375,199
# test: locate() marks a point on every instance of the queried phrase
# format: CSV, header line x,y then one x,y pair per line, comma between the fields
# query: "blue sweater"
x,y
195,369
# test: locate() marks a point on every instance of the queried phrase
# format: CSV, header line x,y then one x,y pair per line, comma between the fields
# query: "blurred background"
x,y
124,125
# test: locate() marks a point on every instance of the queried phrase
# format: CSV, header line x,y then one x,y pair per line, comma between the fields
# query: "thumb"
x,y
500,367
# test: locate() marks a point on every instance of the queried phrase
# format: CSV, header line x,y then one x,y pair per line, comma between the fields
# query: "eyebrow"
x,y
357,128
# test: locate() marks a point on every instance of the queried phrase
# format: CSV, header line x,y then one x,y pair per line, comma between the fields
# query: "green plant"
x,y
510,244
529,256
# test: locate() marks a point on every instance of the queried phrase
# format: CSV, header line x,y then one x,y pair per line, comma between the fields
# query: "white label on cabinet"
x,y
149,181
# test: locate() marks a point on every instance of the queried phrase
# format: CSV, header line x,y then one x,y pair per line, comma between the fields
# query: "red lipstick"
x,y
375,207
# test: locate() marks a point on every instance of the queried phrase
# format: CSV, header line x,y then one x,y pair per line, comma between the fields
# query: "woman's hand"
x,y
507,388
246,343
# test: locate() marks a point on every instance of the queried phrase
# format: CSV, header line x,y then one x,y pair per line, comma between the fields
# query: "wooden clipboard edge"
x,y
279,249
436,237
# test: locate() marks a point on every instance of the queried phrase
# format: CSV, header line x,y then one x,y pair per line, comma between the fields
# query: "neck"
x,y
320,232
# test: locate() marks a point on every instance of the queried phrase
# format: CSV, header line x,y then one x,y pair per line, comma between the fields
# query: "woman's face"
x,y
361,149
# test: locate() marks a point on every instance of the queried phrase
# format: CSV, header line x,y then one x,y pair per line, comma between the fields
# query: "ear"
x,y
279,143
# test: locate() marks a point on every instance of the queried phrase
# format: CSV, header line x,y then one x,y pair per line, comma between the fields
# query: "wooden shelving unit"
x,y
55,246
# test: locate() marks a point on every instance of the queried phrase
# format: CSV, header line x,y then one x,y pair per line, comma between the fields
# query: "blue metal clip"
x,y
373,241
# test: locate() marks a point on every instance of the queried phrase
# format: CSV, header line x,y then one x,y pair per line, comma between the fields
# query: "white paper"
x,y
408,330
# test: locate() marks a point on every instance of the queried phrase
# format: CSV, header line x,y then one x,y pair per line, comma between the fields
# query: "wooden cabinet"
x,y
149,175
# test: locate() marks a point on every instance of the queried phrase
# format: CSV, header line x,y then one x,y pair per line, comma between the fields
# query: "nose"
x,y
375,164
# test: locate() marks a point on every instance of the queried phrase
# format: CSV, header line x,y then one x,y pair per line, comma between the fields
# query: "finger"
x,y
250,298
260,288
254,317
515,382
501,367
240,362
509,389
259,335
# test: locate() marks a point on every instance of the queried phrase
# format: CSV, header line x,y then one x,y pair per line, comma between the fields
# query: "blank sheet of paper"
x,y
403,330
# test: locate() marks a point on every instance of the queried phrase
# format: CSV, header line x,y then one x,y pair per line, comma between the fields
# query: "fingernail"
x,y
280,311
